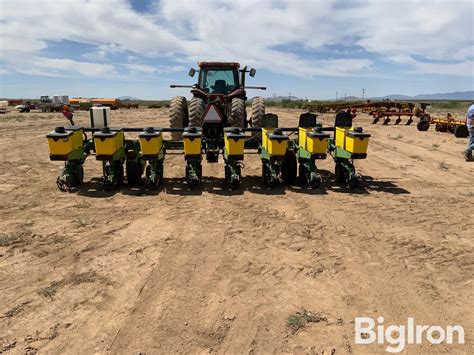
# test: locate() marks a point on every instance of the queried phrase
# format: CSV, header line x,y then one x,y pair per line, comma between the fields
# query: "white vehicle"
x,y
23,108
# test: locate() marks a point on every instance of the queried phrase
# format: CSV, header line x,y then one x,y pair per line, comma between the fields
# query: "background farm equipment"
x,y
15,102
338,106
389,109
46,105
114,104
449,124
3,106
25,107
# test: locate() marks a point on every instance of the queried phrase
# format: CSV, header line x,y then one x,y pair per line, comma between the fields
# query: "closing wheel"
x,y
290,167
386,121
265,173
80,175
148,176
398,120
314,179
113,174
376,119
409,122
193,174
302,173
340,174
271,175
354,181
232,179
161,172
154,174
133,169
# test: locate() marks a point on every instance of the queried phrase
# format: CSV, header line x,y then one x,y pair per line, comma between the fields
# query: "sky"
x,y
311,49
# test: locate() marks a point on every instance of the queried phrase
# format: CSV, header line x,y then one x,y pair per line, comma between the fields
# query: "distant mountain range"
x,y
128,98
279,98
458,95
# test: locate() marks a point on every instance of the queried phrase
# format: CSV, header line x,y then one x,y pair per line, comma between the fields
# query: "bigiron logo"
x,y
398,336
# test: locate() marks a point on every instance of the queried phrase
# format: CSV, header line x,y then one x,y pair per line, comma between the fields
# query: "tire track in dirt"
x,y
209,270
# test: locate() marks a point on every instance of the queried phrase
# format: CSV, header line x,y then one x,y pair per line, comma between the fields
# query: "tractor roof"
x,y
219,64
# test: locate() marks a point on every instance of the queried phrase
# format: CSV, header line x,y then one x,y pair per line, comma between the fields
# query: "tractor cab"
x,y
218,79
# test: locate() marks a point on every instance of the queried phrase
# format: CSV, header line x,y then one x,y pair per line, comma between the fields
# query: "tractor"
x,y
219,100
46,105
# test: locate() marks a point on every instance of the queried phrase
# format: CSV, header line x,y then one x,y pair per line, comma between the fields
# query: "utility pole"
x,y
345,97
363,92
289,96
336,95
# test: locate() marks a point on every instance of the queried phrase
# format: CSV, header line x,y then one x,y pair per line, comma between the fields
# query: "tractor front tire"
x,y
179,117
196,108
237,113
258,111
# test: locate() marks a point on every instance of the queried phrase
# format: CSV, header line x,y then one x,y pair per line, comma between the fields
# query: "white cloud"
x,y
141,68
250,31
465,68
68,65
280,35
149,69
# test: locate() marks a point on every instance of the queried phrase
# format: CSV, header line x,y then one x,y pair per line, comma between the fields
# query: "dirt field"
x,y
218,271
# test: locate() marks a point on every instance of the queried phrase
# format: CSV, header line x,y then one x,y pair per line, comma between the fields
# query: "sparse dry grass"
x,y
8,239
300,319
397,137
50,291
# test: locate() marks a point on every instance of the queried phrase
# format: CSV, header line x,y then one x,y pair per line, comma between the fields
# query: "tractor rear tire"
x,y
237,113
196,109
461,132
179,117
258,111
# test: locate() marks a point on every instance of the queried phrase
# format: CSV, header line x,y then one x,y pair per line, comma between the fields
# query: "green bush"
x,y
450,105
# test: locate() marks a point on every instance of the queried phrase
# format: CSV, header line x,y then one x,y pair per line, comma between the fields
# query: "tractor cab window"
x,y
218,81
